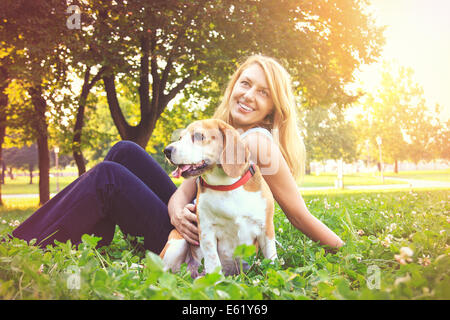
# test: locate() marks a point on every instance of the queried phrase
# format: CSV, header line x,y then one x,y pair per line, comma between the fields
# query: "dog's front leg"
x,y
208,244
268,246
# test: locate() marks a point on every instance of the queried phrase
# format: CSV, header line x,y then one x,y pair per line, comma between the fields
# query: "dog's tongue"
x,y
179,170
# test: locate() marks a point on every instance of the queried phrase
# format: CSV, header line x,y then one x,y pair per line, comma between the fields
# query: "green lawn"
x,y
397,247
437,175
21,185
356,179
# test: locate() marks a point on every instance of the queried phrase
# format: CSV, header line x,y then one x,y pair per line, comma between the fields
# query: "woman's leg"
x,y
107,195
142,165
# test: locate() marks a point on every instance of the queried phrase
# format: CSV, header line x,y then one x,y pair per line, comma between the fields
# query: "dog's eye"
x,y
197,136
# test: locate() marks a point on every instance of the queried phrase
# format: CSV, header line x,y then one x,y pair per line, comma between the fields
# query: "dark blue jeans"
x,y
128,189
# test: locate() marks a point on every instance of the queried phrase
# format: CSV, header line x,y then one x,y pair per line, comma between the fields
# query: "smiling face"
x,y
250,100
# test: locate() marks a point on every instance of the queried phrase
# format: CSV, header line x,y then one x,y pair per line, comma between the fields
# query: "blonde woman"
x,y
131,190
259,102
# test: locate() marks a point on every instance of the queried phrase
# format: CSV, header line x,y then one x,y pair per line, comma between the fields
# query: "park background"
x,y
371,79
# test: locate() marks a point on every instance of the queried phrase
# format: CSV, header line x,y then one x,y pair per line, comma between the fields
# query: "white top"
x,y
258,129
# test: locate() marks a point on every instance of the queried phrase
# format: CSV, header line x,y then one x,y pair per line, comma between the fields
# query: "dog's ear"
x,y
235,154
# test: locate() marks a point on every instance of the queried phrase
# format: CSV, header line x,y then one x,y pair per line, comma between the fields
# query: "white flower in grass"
x,y
4,222
425,261
15,223
391,227
387,240
405,255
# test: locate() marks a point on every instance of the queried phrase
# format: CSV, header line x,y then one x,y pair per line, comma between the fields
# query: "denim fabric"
x,y
128,189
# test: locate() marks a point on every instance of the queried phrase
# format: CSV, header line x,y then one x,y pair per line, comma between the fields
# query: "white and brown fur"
x,y
226,219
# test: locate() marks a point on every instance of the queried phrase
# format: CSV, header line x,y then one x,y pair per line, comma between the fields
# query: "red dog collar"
x,y
250,172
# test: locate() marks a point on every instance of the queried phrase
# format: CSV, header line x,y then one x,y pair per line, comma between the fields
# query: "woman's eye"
x,y
264,93
245,83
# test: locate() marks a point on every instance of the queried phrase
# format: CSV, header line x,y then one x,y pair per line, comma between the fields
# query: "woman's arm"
x,y
276,172
182,211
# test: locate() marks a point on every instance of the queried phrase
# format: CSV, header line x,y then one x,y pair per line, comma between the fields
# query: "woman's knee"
x,y
105,168
122,148
125,146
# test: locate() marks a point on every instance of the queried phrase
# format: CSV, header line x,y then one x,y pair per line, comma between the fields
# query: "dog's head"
x,y
205,144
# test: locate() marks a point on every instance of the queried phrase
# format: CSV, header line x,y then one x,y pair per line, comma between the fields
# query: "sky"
x,y
417,36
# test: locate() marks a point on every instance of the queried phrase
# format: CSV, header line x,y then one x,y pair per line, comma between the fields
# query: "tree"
x,y
168,46
397,113
30,30
3,103
328,135
22,158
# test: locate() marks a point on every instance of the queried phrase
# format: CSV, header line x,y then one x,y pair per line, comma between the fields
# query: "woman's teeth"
x,y
245,107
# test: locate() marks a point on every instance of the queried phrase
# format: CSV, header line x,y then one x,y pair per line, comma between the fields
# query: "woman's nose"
x,y
249,95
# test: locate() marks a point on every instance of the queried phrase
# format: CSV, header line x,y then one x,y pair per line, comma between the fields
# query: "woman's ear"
x,y
235,155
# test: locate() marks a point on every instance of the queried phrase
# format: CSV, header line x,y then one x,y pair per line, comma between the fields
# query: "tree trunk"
x,y
40,107
396,166
30,170
150,110
308,168
140,133
3,104
79,123
3,171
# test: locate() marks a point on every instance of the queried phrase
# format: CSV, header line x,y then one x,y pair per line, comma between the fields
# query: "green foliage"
x,y
398,113
375,226
328,135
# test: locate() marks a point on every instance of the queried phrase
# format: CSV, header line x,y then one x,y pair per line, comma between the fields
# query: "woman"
x,y
259,96
131,190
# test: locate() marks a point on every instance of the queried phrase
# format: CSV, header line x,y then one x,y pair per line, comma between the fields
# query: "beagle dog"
x,y
234,204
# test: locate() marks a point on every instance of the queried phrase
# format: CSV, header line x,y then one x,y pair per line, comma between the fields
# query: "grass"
x,y
356,179
397,247
20,184
436,175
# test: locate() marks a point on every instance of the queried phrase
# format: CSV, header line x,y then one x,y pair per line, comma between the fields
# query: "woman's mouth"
x,y
244,108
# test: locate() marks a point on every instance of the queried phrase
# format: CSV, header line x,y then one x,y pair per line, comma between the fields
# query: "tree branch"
x,y
114,107
173,92
143,81
154,72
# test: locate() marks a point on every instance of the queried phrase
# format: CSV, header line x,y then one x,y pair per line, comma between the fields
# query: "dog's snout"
x,y
168,152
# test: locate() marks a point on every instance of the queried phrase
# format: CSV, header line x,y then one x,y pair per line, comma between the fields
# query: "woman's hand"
x,y
182,211
185,221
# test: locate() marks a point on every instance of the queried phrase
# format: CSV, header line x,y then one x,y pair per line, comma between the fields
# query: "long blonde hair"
x,y
283,120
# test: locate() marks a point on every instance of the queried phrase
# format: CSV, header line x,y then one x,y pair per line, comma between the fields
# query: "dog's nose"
x,y
168,152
